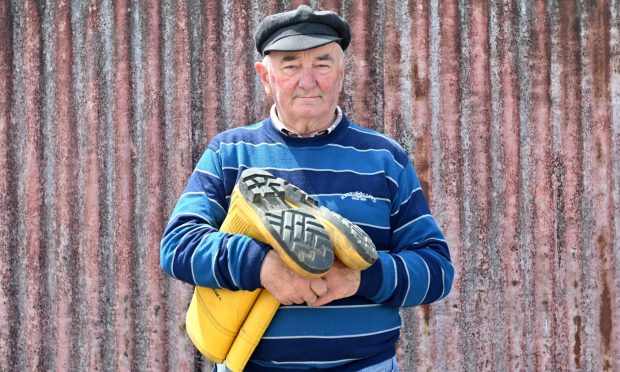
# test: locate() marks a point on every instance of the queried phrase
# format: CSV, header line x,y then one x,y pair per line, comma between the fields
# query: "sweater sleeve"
x,y
194,251
417,268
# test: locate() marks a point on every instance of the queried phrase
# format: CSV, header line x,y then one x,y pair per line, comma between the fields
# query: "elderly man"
x,y
346,320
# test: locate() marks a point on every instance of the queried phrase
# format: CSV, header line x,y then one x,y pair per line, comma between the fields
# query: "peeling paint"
x,y
510,112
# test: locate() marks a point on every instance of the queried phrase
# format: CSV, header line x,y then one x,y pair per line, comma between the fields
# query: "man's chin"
x,y
308,111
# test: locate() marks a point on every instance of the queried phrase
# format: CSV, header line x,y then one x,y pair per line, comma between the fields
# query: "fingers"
x,y
324,300
298,294
340,282
309,297
290,288
285,285
318,286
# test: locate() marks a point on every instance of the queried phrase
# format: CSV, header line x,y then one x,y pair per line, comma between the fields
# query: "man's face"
x,y
304,85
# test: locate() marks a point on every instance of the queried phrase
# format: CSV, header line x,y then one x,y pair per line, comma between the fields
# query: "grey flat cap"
x,y
301,29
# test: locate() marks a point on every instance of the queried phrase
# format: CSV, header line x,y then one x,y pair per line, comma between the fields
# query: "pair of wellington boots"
x,y
227,325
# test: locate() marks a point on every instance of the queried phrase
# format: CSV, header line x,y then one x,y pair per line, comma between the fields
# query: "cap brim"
x,y
300,42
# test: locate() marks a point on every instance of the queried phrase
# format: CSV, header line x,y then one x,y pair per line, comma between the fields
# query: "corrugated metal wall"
x,y
510,110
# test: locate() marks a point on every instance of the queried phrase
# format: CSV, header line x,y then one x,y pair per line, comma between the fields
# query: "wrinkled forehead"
x,y
329,52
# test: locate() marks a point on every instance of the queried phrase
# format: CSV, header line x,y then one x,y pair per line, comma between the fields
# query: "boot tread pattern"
x,y
304,238
263,185
358,237
301,235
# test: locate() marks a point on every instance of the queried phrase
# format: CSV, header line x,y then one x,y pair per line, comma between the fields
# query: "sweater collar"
x,y
273,114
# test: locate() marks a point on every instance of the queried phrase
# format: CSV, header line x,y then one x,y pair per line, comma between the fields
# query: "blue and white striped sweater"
x,y
357,172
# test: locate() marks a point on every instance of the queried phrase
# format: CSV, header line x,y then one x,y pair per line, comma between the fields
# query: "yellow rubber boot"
x,y
214,318
350,244
252,331
257,209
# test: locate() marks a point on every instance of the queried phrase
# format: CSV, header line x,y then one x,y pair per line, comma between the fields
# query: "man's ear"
x,y
261,69
342,76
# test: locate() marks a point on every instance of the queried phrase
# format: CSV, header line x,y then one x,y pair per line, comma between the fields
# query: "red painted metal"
x,y
510,111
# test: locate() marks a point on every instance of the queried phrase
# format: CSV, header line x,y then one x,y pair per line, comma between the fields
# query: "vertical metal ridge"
x,y
497,187
8,196
543,260
562,325
447,160
177,168
64,274
15,272
392,115
124,184
212,64
524,35
90,198
412,24
614,83
107,254
569,184
598,43
29,270
507,186
591,340
139,125
510,112
361,108
154,352
50,114
243,54
473,247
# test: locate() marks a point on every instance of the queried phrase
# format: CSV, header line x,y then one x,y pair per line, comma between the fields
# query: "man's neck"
x,y
306,128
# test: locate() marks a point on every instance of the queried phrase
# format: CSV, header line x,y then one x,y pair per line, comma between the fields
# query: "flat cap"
x,y
301,29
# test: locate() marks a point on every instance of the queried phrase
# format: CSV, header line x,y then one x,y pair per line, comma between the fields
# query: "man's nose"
x,y
307,79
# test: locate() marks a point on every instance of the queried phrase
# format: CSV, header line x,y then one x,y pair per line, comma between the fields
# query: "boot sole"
x,y
261,212
350,243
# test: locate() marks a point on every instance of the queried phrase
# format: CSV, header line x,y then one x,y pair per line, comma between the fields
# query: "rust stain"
x,y
420,84
360,19
577,344
605,312
600,47
106,107
606,322
419,73
393,122
426,311
600,156
423,171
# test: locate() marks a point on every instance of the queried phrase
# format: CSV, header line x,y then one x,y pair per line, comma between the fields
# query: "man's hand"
x,y
341,282
287,286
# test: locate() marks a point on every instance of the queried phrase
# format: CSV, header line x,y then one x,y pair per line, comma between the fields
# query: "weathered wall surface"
x,y
510,110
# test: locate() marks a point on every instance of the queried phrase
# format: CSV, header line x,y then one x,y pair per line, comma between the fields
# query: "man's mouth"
x,y
307,97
